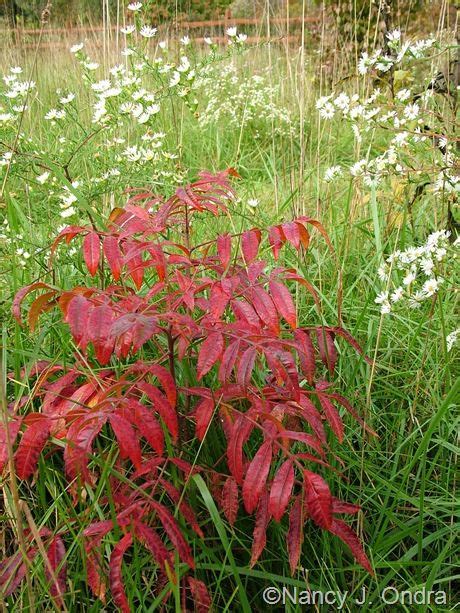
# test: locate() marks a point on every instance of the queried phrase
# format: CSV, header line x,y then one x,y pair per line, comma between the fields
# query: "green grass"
x,y
404,479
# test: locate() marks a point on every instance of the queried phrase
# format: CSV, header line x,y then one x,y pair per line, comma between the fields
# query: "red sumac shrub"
x,y
183,340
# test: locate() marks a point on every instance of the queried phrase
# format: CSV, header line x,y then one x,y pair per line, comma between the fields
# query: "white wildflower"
x,y
327,111
381,298
409,278
430,287
43,178
134,6
403,94
451,339
148,32
67,99
397,294
128,29
411,111
76,48
231,32
332,173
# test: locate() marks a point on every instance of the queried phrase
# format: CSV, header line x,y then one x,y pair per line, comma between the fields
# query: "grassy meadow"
x,y
74,167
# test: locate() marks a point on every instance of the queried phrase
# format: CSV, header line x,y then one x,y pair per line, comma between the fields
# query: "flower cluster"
x,y
238,100
417,273
405,119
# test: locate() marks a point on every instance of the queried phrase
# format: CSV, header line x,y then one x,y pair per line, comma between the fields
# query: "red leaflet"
x,y
265,308
281,490
292,233
256,476
172,530
327,349
148,426
92,252
56,555
319,500
77,316
283,302
250,241
162,406
201,598
32,442
294,536
332,416
276,239
13,429
210,351
22,293
203,415
150,539
186,510
127,440
344,532
241,430
339,506
246,366
228,361
113,255
230,500
116,575
224,249
81,435
306,353
260,529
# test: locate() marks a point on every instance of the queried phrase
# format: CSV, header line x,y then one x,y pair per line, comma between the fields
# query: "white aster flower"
x,y
43,178
126,107
148,32
185,40
241,38
411,111
430,286
403,94
231,32
174,79
363,63
207,40
322,101
327,112
153,109
253,203
128,29
331,173
101,86
15,70
91,65
68,212
409,278
394,35
67,99
134,6
451,339
397,294
381,298
76,48
382,272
